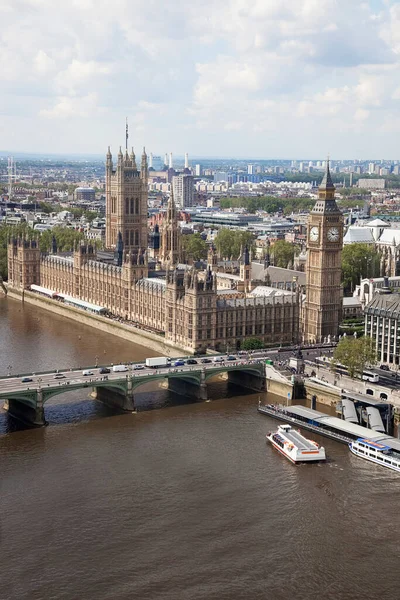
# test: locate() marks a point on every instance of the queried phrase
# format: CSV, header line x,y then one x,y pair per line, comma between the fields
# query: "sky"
x,y
224,78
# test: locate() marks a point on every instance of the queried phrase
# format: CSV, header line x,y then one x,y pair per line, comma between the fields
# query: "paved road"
x,y
74,377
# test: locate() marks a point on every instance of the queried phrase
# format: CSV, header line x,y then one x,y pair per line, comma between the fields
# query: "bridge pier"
x,y
183,387
27,414
247,380
115,399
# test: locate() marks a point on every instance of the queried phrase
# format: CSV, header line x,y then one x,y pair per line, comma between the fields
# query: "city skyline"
x,y
259,80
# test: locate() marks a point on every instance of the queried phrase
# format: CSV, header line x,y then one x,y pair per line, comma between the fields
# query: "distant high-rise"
x,y
371,168
183,189
250,169
198,170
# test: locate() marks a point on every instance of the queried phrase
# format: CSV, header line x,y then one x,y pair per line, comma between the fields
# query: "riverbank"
x,y
129,333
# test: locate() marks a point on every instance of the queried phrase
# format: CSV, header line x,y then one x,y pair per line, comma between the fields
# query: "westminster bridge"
x,y
24,396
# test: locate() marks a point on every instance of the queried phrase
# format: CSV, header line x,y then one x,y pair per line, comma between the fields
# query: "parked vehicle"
x,y
104,370
157,362
191,361
119,368
384,367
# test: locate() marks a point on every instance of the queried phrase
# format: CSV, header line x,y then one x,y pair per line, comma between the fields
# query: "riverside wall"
x,y
129,333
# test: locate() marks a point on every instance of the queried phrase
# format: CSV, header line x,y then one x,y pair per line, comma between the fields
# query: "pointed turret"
x,y
133,158
327,183
119,251
143,166
120,155
326,202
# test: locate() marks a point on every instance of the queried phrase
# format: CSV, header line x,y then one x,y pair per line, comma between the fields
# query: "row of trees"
x,y
269,204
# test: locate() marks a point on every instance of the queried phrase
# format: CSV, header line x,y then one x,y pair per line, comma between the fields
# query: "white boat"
x,y
376,453
294,446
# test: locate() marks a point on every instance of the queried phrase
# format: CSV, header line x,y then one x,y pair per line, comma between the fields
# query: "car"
x,y
179,363
26,379
104,370
138,367
230,357
191,361
87,373
217,359
206,360
59,376
384,367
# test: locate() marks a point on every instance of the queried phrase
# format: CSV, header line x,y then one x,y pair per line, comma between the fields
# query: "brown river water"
x,y
183,502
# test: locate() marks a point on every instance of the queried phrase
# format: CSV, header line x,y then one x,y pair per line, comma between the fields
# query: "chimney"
x,y
186,160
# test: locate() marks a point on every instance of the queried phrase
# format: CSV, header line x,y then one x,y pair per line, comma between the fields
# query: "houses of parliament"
x,y
192,309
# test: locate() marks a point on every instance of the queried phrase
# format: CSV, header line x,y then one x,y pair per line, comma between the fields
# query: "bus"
x,y
367,375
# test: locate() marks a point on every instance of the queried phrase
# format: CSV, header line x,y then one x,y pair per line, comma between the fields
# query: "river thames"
x,y
184,502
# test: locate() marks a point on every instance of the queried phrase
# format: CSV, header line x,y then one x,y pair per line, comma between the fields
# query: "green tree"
x,y
230,242
358,261
355,354
252,343
194,246
283,253
65,239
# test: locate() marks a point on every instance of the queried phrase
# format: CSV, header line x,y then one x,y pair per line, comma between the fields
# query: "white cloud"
x,y
229,72
70,107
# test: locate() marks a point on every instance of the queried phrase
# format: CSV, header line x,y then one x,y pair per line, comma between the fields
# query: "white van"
x,y
119,368
86,373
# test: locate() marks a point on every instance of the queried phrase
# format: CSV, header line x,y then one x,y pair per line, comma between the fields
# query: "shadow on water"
x,y
62,411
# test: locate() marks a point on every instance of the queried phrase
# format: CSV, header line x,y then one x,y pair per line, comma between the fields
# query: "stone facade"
x,y
189,308
322,312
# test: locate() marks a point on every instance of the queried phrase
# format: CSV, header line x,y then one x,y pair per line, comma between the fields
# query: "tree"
x,y
355,354
230,242
358,261
252,344
282,253
194,246
65,239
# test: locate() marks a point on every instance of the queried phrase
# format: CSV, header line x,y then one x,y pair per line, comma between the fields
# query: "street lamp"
x,y
40,382
9,370
96,358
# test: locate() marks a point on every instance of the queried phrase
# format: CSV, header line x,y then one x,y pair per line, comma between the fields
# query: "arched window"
x,y
132,207
132,238
136,238
126,238
137,206
127,206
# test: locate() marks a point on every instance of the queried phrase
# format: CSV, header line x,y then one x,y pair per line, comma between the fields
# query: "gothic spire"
x,y
133,159
327,182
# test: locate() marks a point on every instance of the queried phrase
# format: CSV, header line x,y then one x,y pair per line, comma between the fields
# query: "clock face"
x,y
314,234
333,234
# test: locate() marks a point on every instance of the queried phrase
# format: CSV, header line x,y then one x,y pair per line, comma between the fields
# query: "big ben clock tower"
x,y
324,295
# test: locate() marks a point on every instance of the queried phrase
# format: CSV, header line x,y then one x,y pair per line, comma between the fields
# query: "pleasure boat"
x,y
376,453
294,446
